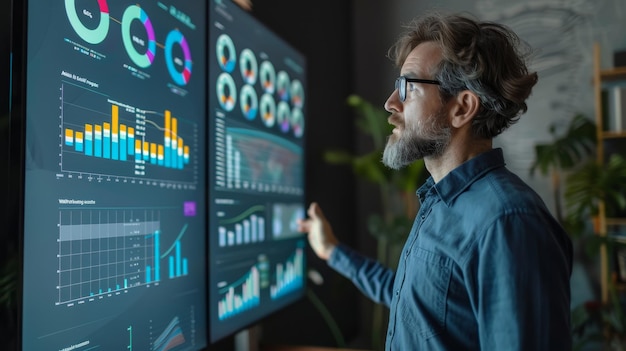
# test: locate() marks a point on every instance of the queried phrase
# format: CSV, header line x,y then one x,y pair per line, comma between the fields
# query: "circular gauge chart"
x,y
282,85
225,49
283,117
248,66
297,93
178,67
141,48
226,91
268,110
89,33
248,102
268,77
297,122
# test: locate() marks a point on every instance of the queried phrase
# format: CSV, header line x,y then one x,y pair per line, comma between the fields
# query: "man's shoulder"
x,y
500,188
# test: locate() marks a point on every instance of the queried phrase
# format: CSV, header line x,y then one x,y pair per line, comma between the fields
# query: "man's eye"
x,y
411,86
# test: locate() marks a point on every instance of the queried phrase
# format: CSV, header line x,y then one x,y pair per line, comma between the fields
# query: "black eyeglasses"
x,y
401,84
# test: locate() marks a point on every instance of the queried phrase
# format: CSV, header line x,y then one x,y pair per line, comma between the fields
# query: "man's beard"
x,y
414,144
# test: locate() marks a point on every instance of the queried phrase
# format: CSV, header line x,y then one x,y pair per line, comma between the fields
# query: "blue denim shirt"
x,y
485,267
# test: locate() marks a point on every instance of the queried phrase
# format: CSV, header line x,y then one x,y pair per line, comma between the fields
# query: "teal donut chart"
x,y
297,122
226,91
226,61
176,37
132,13
248,66
248,102
92,36
267,77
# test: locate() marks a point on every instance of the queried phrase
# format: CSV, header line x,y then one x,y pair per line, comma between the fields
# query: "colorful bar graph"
x,y
249,295
106,140
115,152
69,137
290,276
88,140
178,265
117,141
78,139
250,230
123,143
98,146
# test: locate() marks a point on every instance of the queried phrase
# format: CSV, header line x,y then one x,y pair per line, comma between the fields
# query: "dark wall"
x,y
322,30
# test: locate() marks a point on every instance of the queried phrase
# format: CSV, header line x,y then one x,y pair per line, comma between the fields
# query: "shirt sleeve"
x,y
373,279
518,281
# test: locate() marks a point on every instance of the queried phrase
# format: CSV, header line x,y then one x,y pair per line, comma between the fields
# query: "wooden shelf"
x,y
615,221
613,74
605,140
613,135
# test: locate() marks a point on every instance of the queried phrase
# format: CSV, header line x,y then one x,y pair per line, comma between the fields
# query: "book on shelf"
x,y
614,107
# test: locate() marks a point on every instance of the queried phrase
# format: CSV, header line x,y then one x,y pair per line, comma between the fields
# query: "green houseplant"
x,y
567,151
585,185
396,190
589,189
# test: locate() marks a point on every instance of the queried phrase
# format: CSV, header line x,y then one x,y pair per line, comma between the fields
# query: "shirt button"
x,y
423,217
397,292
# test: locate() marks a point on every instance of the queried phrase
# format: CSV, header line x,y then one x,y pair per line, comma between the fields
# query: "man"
x,y
485,266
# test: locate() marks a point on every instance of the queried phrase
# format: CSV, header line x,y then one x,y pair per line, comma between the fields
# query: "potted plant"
x,y
587,191
586,185
567,151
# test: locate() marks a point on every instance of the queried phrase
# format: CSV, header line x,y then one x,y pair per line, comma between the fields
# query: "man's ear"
x,y
465,106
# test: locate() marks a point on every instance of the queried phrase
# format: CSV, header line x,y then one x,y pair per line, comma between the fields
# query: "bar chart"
x,y
107,252
102,135
240,295
289,275
246,227
115,141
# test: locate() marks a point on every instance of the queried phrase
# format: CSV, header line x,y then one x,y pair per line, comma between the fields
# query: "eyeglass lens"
x,y
401,86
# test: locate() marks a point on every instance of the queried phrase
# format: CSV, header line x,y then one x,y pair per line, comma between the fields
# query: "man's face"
x,y
422,128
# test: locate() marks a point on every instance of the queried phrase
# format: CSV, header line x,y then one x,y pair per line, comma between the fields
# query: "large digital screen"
x,y
114,241
256,120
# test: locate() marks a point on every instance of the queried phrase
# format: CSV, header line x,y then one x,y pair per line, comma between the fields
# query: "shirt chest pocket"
x,y
422,301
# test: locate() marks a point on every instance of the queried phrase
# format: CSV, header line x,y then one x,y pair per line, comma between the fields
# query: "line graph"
x,y
107,252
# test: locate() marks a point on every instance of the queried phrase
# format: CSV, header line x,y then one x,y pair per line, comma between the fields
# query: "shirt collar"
x,y
455,182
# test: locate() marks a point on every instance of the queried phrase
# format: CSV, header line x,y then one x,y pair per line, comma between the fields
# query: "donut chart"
x,y
268,110
248,102
248,66
226,53
226,91
268,77
282,85
297,93
297,122
283,117
92,36
145,59
262,86
180,76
